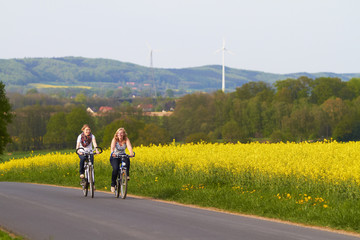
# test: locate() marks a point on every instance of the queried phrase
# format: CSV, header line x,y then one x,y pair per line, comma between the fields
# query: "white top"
x,y
89,147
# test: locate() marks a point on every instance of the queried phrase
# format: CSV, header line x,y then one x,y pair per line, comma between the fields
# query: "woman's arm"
x,y
129,147
112,146
78,139
78,146
94,143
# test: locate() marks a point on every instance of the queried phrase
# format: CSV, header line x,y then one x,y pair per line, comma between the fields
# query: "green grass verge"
x,y
24,154
7,236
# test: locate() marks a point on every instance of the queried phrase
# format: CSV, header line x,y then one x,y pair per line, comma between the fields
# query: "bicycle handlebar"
x,y
88,152
119,155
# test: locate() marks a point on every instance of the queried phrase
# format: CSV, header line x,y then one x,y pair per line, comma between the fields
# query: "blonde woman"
x,y
85,140
118,145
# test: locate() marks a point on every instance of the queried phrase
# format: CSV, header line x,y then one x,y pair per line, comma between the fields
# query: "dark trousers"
x,y
82,159
115,163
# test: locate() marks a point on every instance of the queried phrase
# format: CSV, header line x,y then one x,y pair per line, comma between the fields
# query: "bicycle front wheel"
x,y
123,184
117,187
85,188
91,181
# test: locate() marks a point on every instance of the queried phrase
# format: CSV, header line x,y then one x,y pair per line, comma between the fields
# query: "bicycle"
x,y
121,178
88,182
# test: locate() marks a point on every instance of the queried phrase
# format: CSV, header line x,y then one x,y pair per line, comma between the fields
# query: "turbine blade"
x,y
230,52
219,50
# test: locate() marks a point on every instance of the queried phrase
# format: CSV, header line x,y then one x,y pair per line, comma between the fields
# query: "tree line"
x,y
289,110
43,126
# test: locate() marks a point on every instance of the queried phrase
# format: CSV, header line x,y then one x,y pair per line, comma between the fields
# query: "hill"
x,y
112,74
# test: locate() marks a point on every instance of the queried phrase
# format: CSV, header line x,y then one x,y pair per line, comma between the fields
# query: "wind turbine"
x,y
151,67
223,49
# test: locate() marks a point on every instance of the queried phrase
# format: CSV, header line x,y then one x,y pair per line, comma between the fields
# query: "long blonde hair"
x,y
117,138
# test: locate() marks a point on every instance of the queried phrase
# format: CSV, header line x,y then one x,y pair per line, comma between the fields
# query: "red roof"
x,y
105,109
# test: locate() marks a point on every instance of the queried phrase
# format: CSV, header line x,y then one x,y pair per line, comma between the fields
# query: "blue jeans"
x,y
115,163
82,159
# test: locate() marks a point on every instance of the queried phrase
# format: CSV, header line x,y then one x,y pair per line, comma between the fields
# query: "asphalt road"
x,y
46,212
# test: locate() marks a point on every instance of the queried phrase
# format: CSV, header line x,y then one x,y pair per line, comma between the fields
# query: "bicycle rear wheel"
x,y
85,188
123,184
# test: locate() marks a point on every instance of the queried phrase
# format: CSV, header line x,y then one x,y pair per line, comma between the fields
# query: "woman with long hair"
x,y
119,143
85,140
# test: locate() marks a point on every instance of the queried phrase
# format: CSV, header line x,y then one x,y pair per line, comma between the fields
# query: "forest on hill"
x,y
67,76
294,109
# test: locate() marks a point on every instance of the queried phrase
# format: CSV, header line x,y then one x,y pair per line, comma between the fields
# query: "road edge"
x,y
328,229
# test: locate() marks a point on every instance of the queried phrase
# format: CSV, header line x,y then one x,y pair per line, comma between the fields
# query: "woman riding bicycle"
x,y
85,140
118,145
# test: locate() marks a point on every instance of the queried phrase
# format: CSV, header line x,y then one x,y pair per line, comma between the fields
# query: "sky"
x,y
275,36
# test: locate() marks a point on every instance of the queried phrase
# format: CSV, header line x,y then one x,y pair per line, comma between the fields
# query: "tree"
x,y
5,118
169,93
80,98
334,110
223,108
354,84
324,88
152,134
131,125
74,121
289,90
348,129
32,91
231,132
251,89
195,112
56,131
197,138
301,122
255,117
29,126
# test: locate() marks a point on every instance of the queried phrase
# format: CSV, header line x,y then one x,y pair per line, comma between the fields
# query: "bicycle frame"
x,y
89,171
87,166
121,178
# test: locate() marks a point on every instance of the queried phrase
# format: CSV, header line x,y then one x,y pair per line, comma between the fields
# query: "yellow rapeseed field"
x,y
326,161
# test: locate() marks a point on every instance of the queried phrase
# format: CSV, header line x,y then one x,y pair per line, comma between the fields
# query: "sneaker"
x,y
128,178
82,175
83,183
112,189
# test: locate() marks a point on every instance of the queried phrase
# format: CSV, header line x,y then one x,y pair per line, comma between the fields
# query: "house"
x,y
146,107
105,109
89,110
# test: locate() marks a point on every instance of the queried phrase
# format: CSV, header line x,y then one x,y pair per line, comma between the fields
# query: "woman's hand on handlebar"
x,y
79,152
98,150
